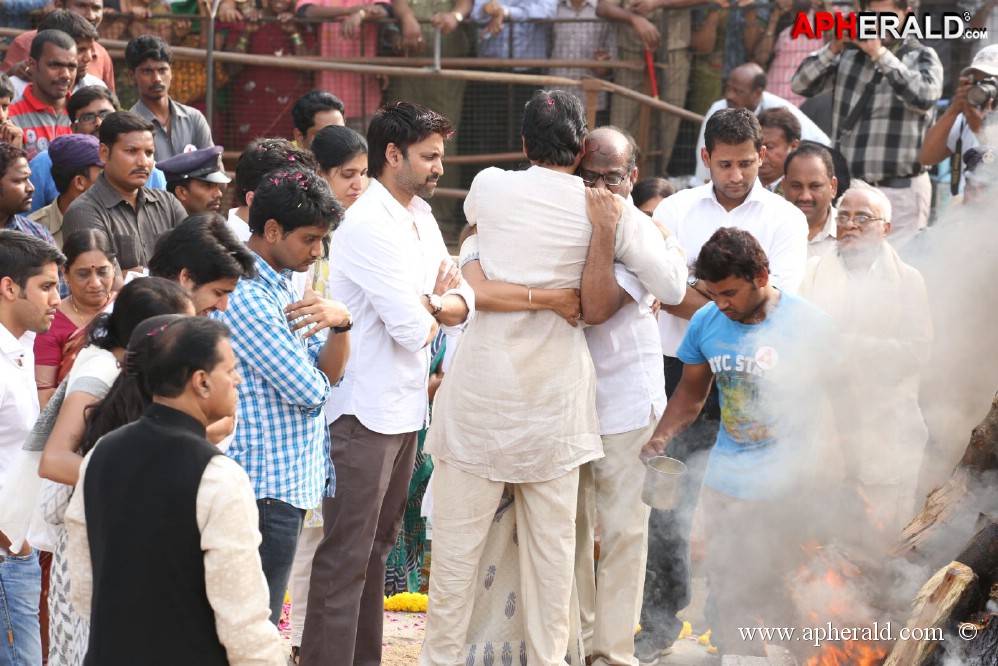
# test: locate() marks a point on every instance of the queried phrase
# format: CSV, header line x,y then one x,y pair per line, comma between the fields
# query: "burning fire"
x,y
850,653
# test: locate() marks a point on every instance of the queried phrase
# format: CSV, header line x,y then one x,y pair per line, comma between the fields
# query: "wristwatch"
x,y
345,327
436,303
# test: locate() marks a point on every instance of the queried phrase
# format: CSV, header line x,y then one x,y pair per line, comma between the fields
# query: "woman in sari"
x,y
89,274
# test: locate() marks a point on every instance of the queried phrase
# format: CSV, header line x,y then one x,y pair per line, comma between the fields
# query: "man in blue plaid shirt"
x,y
290,351
884,95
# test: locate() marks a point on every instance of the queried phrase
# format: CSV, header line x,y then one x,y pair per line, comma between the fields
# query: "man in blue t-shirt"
x,y
769,353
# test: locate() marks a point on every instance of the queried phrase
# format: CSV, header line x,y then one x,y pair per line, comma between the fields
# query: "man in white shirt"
x,y
518,406
630,398
390,267
734,198
29,295
746,88
810,184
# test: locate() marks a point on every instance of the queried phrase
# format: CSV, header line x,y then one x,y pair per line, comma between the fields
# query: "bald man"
x,y
746,88
630,397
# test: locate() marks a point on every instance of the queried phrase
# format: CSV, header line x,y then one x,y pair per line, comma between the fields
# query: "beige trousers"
x,y
610,600
464,506
301,572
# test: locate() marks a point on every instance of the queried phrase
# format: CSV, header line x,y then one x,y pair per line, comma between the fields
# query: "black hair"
x,y
63,176
9,154
336,145
174,355
781,119
55,37
122,122
649,188
87,94
137,301
265,155
6,87
22,256
403,124
147,47
78,28
294,198
147,367
730,252
554,127
313,102
205,246
759,81
732,127
812,149
88,240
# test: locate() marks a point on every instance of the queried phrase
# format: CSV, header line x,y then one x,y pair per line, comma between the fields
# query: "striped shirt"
x,y
40,123
280,434
887,136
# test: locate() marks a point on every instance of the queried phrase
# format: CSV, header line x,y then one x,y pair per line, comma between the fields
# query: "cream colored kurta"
x,y
519,401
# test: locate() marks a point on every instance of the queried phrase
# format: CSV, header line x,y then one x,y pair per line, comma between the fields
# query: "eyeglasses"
x,y
590,178
860,219
89,118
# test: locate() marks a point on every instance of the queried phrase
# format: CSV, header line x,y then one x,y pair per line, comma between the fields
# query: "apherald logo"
x,y
871,25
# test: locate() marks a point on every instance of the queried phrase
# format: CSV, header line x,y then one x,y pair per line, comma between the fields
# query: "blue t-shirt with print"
x,y
771,378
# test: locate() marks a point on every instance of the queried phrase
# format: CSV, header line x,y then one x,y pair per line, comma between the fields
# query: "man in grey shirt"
x,y
131,215
177,128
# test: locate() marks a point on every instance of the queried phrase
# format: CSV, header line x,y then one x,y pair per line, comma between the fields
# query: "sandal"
x,y
295,654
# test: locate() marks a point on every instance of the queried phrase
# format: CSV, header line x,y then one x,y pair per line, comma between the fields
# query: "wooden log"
x,y
949,596
949,518
981,553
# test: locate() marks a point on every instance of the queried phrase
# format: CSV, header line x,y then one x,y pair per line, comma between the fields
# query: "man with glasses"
x,y
882,308
630,398
87,109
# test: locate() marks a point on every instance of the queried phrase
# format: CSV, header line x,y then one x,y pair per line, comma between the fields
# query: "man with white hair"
x,y
881,306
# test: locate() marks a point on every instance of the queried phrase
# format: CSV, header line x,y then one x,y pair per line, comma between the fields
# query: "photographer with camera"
x,y
885,93
958,129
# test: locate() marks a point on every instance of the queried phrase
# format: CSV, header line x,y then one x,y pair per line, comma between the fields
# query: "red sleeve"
x,y
18,50
105,68
48,345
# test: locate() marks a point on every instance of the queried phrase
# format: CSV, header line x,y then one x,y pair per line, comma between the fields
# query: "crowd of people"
x,y
202,411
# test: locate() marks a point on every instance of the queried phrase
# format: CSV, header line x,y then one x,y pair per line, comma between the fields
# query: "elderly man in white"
x,y
881,305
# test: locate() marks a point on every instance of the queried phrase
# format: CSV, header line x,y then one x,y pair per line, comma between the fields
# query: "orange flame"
x,y
850,653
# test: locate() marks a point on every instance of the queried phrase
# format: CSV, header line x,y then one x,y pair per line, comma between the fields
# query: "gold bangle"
x,y
530,299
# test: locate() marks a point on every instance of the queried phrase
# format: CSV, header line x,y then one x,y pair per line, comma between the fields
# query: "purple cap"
x,y
71,151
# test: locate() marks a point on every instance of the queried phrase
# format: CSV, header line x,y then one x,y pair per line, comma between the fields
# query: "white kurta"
x,y
519,401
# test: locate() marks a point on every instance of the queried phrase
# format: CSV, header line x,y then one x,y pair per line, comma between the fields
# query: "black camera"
x,y
982,92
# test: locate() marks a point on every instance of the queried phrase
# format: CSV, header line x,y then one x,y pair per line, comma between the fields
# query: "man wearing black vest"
x,y
163,536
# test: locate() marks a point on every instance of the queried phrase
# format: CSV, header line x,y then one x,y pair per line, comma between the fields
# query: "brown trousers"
x,y
360,525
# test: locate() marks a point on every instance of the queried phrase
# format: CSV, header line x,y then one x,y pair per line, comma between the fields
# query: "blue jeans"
x,y
280,527
20,590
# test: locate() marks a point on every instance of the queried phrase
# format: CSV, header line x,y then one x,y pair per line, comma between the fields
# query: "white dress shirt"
x,y
627,355
694,215
383,258
518,404
18,397
824,240
809,131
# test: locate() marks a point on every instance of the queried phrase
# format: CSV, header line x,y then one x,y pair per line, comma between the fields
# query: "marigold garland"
x,y
407,602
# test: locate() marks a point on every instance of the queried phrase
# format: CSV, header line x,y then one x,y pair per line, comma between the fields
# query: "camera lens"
x,y
982,91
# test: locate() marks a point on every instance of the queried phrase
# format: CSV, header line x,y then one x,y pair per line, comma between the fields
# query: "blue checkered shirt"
x,y
280,437
32,228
